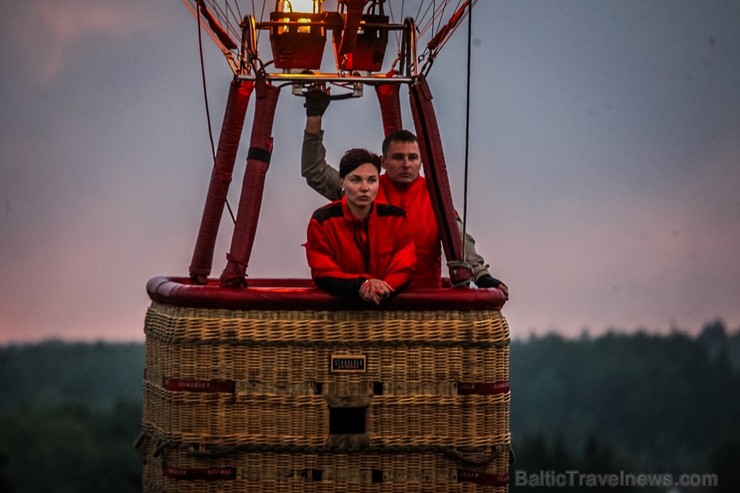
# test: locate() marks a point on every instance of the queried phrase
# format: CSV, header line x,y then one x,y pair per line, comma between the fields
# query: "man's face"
x,y
402,162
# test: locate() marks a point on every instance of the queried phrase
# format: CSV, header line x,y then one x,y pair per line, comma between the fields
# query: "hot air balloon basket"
x,y
326,400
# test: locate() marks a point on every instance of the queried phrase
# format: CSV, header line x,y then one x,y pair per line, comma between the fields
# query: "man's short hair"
x,y
397,136
354,158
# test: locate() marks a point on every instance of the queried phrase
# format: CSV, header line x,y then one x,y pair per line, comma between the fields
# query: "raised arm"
x,y
318,173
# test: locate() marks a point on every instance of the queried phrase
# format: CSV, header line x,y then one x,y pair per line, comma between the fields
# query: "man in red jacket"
x,y
400,185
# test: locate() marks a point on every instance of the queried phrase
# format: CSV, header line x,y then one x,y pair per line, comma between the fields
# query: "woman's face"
x,y
360,188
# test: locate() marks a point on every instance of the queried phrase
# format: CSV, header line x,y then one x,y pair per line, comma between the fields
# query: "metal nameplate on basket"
x,y
348,363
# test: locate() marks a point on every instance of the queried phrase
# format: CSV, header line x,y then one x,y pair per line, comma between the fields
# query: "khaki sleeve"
x,y
314,168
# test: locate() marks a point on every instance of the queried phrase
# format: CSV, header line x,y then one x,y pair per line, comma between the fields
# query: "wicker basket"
x,y
325,400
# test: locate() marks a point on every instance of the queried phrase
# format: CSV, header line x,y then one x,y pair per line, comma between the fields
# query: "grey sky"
x,y
604,171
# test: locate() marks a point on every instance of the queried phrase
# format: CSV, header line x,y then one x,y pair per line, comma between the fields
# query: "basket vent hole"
x,y
347,420
377,388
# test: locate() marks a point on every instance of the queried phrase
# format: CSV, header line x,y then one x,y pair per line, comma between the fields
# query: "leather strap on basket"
x,y
202,386
200,474
482,478
480,388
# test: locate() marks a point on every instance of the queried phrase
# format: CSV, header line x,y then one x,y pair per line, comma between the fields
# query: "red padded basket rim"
x,y
302,294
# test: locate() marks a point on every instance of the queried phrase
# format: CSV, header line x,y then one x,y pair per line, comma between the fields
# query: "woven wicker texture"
x,y
356,472
264,400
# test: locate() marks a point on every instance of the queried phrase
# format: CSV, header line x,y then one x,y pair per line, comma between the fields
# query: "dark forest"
x,y
638,403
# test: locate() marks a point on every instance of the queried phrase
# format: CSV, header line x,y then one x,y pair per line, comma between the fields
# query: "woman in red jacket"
x,y
356,246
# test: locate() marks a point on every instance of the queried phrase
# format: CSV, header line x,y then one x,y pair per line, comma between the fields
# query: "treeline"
x,y
641,403
55,373
70,449
638,403
69,415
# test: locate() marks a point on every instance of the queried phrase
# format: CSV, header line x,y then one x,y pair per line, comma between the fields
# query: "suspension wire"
x,y
238,14
423,20
221,13
261,18
231,14
449,27
434,16
467,124
400,18
419,15
430,16
393,19
438,26
231,17
235,11
439,16
208,111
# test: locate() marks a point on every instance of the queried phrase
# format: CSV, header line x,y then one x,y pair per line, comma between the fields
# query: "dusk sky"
x,y
604,180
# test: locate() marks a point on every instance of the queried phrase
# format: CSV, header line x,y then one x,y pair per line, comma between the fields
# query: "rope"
x,y
205,99
467,125
461,455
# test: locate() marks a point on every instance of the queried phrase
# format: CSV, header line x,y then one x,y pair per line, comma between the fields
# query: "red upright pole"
x,y
223,167
435,172
390,106
258,160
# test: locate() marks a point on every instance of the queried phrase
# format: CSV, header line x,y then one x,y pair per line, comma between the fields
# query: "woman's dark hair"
x,y
355,158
